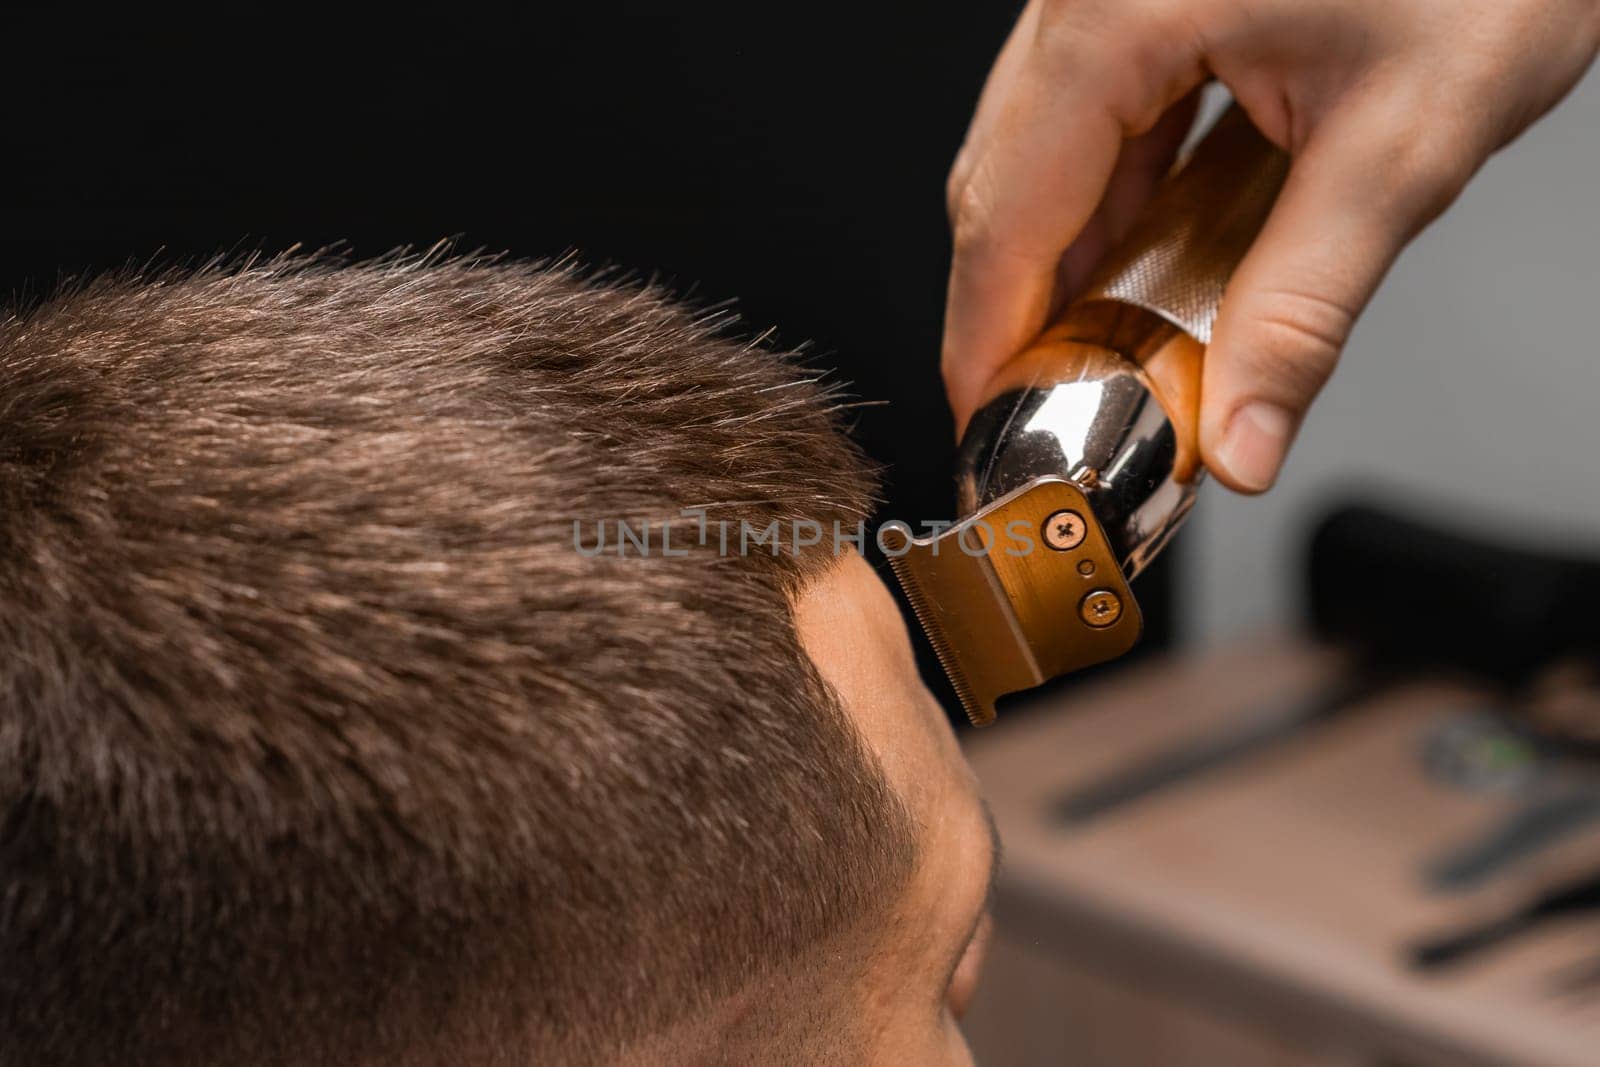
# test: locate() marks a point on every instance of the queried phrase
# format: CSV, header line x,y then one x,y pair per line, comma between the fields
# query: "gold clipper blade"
x,y
1020,592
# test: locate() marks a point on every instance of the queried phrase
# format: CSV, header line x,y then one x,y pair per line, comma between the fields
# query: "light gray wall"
x,y
1471,385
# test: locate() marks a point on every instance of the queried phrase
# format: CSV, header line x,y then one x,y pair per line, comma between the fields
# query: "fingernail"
x,y
1254,444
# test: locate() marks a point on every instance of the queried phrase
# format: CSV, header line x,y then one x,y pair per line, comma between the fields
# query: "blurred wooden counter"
x,y
1261,913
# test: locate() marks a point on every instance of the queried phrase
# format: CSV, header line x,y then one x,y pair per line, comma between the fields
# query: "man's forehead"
x,y
849,625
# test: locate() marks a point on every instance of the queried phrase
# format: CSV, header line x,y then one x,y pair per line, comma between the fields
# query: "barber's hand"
x,y
1387,107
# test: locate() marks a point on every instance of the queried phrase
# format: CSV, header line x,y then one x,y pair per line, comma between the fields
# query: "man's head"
x,y
326,734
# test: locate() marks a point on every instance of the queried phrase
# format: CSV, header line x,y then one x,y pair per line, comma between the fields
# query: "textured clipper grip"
x,y
1184,248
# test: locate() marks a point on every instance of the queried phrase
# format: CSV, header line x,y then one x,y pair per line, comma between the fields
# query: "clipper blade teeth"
x,y
941,643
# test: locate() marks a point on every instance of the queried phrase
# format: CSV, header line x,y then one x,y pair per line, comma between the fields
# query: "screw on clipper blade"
x,y
1003,606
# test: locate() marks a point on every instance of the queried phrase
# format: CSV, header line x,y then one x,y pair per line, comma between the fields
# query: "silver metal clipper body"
x,y
1087,442
1107,422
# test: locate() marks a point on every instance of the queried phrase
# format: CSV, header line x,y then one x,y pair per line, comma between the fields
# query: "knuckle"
x,y
1056,14
972,214
1426,165
954,186
1435,170
1080,23
1302,335
1140,55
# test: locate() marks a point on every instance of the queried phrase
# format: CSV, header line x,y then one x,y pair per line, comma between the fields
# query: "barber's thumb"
x,y
1270,356
1351,202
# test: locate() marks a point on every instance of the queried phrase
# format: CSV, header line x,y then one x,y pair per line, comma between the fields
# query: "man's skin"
x,y
918,988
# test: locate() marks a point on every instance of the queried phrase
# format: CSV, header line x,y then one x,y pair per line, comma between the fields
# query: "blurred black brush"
x,y
1577,897
1410,593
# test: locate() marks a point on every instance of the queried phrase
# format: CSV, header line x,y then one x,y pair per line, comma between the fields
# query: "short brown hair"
x,y
318,738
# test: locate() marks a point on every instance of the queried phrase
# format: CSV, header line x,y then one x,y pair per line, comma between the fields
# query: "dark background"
x,y
790,156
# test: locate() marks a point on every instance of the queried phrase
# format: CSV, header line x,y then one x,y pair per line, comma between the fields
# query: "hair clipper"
x,y
1083,460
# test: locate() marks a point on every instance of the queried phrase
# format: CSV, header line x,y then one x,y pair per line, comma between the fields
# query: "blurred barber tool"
x,y
1089,436
1577,896
1198,756
1523,832
1499,751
